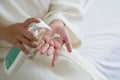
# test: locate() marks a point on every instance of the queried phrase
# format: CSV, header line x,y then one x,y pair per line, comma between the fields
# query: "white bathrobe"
x,y
69,66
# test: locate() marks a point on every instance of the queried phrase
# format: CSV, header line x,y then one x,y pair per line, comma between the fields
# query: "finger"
x,y
21,47
44,48
27,42
58,42
47,35
42,42
51,42
68,44
55,57
29,21
30,36
50,51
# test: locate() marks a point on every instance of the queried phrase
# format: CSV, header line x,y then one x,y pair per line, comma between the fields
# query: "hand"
x,y
18,34
54,45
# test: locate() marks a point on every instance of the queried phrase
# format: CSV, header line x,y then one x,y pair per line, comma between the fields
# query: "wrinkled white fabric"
x,y
70,66
101,45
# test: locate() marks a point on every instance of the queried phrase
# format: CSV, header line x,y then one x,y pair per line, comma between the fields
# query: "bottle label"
x,y
11,56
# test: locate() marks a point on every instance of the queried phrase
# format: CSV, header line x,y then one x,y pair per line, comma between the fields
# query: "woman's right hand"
x,y
18,34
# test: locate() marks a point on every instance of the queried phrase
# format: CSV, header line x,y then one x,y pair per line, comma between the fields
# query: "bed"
x,y
102,36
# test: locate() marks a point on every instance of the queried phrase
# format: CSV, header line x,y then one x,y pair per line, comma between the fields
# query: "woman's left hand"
x,y
50,44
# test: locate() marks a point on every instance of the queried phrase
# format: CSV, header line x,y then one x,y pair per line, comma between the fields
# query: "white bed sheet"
x,y
101,45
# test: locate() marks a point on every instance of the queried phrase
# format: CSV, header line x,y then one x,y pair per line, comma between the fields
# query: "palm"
x,y
55,43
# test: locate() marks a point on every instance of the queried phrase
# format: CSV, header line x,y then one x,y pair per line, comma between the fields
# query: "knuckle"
x,y
30,19
17,36
14,42
22,48
31,44
45,38
56,55
29,36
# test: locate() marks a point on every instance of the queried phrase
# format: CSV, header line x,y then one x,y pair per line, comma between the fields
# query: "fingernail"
x,y
35,39
34,45
37,49
48,54
53,63
41,53
27,51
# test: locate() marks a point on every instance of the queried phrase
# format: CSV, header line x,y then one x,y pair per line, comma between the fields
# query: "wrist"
x,y
57,22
